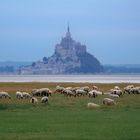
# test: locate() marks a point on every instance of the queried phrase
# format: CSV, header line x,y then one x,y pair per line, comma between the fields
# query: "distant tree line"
x,y
7,69
121,69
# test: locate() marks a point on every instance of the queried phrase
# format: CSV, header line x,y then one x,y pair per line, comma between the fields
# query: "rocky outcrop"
x,y
69,57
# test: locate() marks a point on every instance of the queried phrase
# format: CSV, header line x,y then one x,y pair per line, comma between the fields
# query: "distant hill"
x,y
7,67
126,68
12,67
15,64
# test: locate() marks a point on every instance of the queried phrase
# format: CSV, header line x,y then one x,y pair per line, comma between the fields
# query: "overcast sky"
x,y
29,29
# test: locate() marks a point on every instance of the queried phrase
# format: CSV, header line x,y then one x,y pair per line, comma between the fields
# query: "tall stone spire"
x,y
68,28
68,34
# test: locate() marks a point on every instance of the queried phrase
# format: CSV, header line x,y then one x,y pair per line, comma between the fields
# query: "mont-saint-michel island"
x,y
77,81
69,57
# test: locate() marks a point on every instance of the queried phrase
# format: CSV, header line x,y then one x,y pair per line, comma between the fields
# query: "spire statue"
x,y
68,28
68,34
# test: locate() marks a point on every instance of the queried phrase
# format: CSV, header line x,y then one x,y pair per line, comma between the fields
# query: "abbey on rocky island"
x,y
70,57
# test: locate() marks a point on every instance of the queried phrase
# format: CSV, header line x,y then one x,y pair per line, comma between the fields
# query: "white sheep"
x,y
95,88
107,93
34,100
41,92
5,94
92,105
99,92
44,99
35,92
114,95
59,89
117,92
26,95
68,88
45,92
69,93
80,92
86,88
117,88
19,95
108,101
135,90
94,93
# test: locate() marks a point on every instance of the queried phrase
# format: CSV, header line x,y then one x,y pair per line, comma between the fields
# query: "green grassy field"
x,y
68,117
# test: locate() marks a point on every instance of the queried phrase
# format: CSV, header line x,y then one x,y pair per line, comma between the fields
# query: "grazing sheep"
x,y
107,93
34,100
26,95
114,95
92,105
117,92
35,92
44,99
108,101
69,93
99,92
95,88
86,88
128,89
69,88
74,89
130,86
45,92
19,95
4,94
80,92
135,90
92,93
41,92
117,88
59,89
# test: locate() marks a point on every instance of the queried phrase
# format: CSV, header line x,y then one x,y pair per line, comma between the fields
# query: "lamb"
x,y
19,95
92,105
44,99
108,101
34,100
4,94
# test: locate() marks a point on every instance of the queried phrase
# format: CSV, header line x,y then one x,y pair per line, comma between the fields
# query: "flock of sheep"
x,y
116,92
26,95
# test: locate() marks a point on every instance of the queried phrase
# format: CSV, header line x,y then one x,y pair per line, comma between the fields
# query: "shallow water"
x,y
72,78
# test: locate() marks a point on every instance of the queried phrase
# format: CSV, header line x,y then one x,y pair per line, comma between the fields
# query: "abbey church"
x,y
70,57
